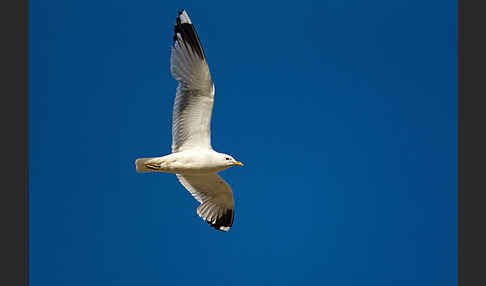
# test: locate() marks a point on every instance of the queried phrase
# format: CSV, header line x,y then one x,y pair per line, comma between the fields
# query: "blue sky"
x,y
344,113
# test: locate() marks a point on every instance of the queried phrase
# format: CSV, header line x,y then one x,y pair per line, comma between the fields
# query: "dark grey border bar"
x,y
14,160
472,142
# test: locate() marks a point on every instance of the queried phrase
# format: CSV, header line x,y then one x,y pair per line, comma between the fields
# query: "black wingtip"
x,y
225,222
188,35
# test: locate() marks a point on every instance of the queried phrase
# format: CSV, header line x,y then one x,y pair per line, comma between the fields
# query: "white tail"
x,y
140,163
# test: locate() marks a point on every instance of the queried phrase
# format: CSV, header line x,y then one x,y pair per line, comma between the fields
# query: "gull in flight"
x,y
193,160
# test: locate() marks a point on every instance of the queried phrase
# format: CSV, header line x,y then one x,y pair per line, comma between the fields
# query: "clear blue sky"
x,y
344,113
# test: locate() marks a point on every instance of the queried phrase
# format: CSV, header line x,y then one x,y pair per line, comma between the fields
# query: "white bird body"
x,y
193,159
190,162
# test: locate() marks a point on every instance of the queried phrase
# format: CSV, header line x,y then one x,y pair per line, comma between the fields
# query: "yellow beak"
x,y
238,163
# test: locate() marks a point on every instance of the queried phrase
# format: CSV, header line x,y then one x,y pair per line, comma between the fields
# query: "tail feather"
x,y
140,164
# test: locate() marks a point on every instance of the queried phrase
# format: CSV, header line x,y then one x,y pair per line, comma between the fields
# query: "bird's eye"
x,y
227,158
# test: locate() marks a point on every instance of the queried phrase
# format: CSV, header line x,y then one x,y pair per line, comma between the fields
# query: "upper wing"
x,y
191,118
215,196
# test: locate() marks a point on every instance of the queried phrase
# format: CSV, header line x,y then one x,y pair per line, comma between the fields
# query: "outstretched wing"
x,y
216,198
191,118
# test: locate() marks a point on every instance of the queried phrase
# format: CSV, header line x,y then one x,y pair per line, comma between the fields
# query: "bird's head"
x,y
229,161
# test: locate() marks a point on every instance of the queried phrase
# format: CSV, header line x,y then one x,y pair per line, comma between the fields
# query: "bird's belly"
x,y
177,168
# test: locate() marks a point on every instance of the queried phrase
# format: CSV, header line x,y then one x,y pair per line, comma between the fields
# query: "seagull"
x,y
193,160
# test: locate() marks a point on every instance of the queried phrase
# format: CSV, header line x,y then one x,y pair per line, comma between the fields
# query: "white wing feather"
x,y
215,196
193,107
